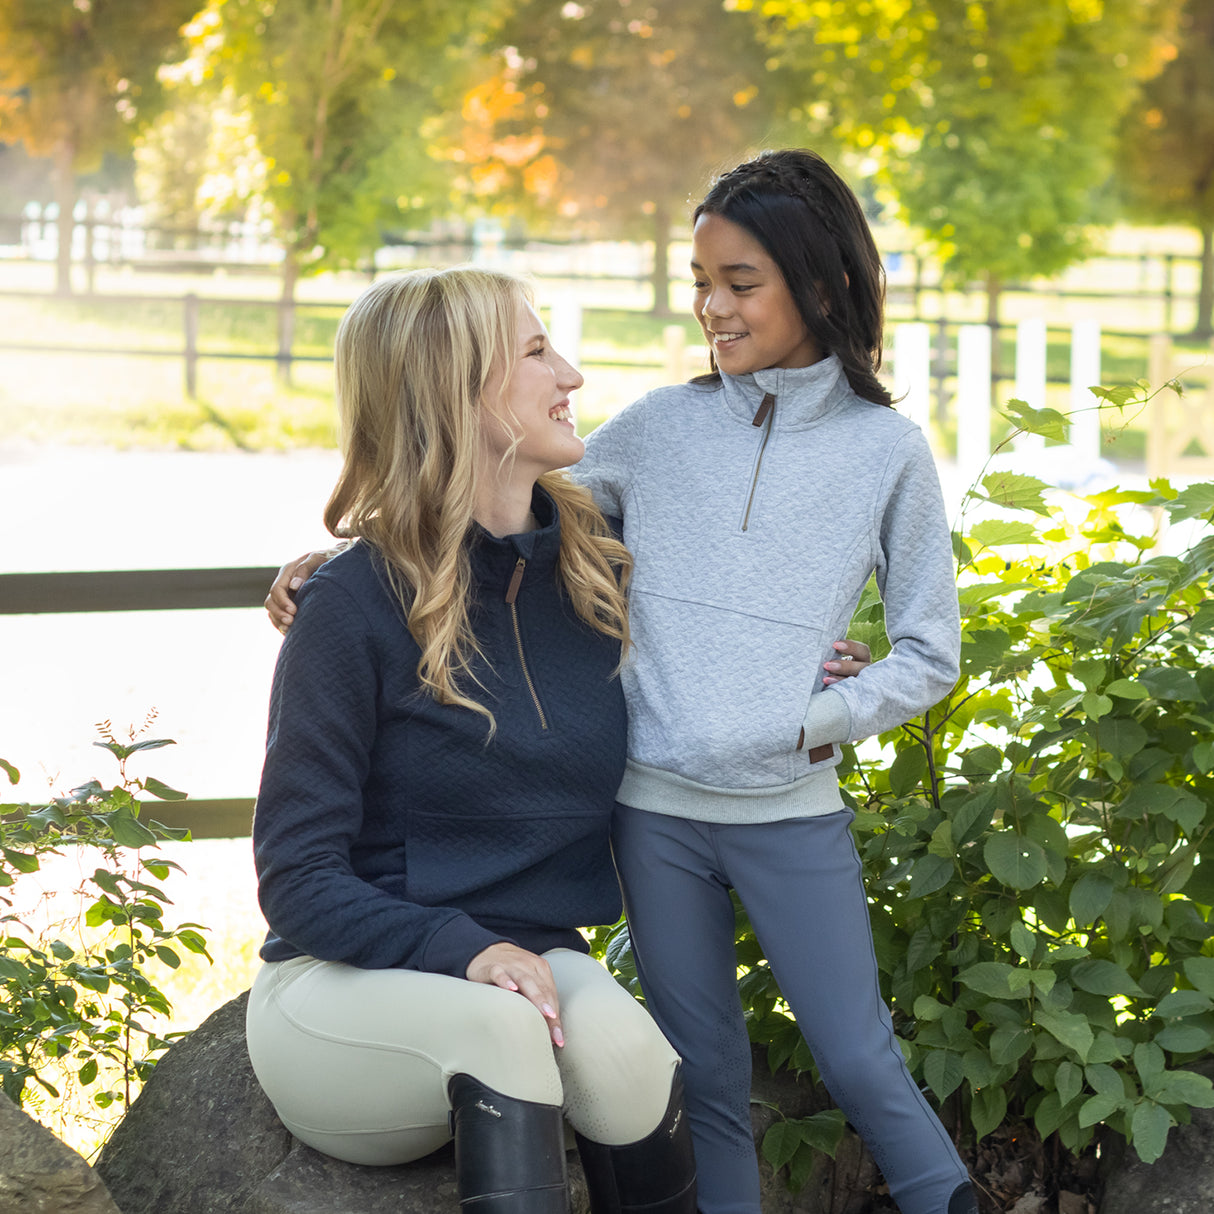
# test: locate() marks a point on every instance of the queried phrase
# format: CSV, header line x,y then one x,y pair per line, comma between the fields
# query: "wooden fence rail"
x,y
151,590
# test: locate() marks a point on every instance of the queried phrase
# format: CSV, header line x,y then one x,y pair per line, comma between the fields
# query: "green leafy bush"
x,y
88,1005
1038,847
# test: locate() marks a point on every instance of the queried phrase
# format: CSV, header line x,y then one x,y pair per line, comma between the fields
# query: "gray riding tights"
x,y
800,882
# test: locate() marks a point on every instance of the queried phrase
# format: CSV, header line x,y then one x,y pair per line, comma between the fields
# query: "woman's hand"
x,y
279,603
515,969
854,656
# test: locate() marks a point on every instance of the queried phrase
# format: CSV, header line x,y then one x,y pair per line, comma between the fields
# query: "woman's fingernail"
x,y
558,1037
548,1011
295,583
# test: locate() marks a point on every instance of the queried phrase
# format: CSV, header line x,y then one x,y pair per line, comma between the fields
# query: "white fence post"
x,y
973,400
913,370
565,326
1085,374
1030,374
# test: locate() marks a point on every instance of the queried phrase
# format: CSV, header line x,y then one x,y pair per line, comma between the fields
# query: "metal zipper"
x,y
766,414
516,580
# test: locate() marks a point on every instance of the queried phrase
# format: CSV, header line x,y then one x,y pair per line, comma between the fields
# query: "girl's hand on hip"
x,y
854,656
280,602
515,969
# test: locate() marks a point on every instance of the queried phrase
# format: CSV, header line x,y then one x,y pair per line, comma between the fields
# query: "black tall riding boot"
x,y
656,1175
509,1154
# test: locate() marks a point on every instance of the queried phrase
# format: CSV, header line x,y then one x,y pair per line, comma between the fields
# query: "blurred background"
x,y
191,194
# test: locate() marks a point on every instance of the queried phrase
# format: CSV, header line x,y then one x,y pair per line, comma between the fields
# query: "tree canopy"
x,y
336,92
995,123
77,78
1167,146
612,114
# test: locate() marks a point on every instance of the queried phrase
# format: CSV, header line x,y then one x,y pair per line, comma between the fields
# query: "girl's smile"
x,y
745,308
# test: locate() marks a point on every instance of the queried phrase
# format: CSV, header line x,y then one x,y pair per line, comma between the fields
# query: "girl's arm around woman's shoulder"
x,y
310,811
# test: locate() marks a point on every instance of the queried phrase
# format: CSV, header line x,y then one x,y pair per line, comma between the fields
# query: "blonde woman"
x,y
446,738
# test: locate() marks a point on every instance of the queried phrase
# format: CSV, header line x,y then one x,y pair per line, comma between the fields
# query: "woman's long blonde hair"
x,y
413,354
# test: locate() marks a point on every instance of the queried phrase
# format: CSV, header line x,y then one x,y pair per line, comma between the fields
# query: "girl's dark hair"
x,y
811,225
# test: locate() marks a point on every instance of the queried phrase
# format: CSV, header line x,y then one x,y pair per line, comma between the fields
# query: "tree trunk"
x,y
1205,292
286,314
65,198
994,288
660,278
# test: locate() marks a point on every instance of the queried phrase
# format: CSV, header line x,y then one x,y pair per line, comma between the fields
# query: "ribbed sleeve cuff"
x,y
452,947
827,720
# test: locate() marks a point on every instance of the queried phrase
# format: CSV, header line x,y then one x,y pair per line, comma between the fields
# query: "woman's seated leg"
x,y
358,1062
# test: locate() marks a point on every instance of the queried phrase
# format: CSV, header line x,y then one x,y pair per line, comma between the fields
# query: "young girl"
x,y
756,502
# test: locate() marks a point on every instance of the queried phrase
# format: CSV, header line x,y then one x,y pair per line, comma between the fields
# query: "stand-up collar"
x,y
495,558
803,395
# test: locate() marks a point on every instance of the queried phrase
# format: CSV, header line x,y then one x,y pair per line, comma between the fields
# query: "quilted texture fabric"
x,y
387,831
756,509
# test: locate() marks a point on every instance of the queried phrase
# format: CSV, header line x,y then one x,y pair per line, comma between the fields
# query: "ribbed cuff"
x,y
827,720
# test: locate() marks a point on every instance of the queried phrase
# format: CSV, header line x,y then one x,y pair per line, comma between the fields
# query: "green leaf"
x,y
944,1072
1014,491
13,774
781,1143
1049,423
1023,940
1068,1081
994,533
1017,862
1009,1043
928,874
1183,1003
1169,683
1127,689
1099,1108
1096,705
995,978
1070,1029
1182,1038
88,1072
988,1109
1196,501
1149,1128
907,769
127,830
23,862
159,789
1183,1087
824,1131
1100,977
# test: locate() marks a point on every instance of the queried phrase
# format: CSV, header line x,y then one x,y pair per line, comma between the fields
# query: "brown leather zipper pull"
x,y
765,408
516,580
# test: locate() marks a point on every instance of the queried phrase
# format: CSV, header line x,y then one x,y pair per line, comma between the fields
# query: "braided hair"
x,y
811,225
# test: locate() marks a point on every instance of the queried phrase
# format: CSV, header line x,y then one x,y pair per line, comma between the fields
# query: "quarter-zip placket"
x,y
516,580
764,416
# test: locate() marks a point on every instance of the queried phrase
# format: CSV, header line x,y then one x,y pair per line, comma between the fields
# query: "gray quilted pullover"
x,y
757,508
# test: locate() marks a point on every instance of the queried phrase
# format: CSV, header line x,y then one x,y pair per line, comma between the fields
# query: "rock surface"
x,y
41,1175
203,1139
1180,1181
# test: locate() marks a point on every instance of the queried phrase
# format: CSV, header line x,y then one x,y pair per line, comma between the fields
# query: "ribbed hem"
x,y
663,792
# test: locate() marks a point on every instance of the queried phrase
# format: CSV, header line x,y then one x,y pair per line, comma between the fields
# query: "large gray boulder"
x,y
203,1139
41,1175
1180,1181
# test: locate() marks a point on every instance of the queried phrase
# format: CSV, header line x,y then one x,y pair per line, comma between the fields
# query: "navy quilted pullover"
x,y
387,833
